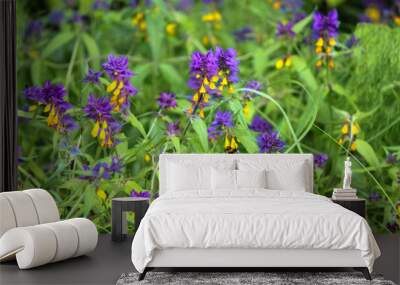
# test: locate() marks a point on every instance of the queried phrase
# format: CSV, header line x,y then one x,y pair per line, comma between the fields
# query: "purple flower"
x,y
98,109
202,67
270,142
173,129
391,158
285,30
75,151
218,2
292,6
244,34
325,25
67,123
34,29
77,18
56,17
374,196
222,120
352,41
34,93
184,5
228,64
142,194
116,164
260,125
120,87
166,100
117,67
214,133
105,125
252,84
52,96
102,170
92,76
320,159
101,5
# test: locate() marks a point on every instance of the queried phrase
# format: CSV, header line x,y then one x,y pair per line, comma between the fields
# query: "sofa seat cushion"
x,y
40,244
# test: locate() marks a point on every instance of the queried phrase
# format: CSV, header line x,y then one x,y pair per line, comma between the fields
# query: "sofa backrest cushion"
x,y
26,208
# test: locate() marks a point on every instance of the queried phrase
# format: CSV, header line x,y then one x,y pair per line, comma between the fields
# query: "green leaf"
x,y
246,138
155,28
201,130
141,72
131,118
367,152
89,200
36,71
305,74
299,26
172,76
92,49
57,42
132,185
176,142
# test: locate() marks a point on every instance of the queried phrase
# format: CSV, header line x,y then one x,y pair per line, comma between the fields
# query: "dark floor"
x,y
103,266
110,260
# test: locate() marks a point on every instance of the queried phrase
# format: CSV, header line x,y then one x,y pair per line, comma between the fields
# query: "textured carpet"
x,y
233,278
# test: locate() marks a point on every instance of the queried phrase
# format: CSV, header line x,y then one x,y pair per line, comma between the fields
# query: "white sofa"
x,y
31,231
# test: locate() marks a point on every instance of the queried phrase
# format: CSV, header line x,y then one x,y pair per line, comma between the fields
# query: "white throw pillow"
x,y
251,178
223,179
188,177
291,179
288,175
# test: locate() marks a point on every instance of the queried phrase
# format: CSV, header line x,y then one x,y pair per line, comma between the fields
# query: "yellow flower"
x,y
227,143
331,64
320,42
288,61
396,20
246,109
139,20
345,129
355,129
147,157
171,29
318,50
353,146
205,40
331,42
340,141
373,13
318,63
279,64
276,5
234,145
101,194
212,17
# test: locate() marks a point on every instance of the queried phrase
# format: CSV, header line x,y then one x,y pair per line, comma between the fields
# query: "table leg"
x,y
117,220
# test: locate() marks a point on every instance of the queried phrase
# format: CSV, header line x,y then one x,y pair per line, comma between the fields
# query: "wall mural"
x,y
106,86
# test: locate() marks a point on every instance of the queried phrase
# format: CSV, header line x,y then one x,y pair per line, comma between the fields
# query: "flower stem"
x,y
296,140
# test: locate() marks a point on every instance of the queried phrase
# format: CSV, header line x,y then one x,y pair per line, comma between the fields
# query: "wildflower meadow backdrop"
x,y
106,86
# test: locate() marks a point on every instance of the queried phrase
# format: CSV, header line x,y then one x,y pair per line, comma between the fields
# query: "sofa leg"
x,y
364,271
143,274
